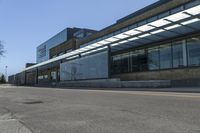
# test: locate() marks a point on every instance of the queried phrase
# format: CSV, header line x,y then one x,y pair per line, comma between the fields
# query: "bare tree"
x,y
1,49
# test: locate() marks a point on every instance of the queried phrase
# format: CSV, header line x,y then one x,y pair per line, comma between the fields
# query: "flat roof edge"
x,y
169,4
145,9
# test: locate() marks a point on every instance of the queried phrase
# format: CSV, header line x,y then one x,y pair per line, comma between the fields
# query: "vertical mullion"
x,y
172,56
159,57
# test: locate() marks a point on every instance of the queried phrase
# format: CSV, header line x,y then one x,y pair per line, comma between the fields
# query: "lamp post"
x,y
6,71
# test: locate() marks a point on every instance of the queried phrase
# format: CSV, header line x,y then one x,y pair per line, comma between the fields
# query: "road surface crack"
x,y
9,123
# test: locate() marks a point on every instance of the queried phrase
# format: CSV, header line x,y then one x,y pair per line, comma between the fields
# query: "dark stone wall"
x,y
55,51
173,74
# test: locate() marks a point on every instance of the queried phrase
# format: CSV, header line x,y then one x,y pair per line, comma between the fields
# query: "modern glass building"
x,y
158,42
43,50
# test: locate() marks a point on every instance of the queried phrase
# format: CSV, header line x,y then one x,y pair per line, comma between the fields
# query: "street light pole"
x,y
6,71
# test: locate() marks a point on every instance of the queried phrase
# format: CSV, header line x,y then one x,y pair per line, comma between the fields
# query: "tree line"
x,y
2,51
2,79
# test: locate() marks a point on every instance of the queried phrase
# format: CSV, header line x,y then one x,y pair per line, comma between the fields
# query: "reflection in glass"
x,y
193,47
124,63
116,62
177,54
143,61
153,59
138,60
165,57
134,61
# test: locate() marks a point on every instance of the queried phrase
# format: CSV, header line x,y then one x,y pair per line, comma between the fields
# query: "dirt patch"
x,y
33,102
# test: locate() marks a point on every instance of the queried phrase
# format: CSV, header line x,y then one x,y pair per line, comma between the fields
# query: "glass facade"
x,y
177,49
178,54
166,56
193,47
138,61
124,63
134,61
153,58
116,64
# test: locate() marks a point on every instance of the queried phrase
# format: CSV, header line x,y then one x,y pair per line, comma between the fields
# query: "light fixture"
x,y
159,23
115,44
92,51
157,31
190,21
121,36
96,45
145,35
177,16
134,38
125,41
194,10
145,28
112,39
132,32
89,47
173,27
103,42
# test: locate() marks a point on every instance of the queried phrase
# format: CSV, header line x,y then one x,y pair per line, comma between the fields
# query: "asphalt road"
x,y
47,110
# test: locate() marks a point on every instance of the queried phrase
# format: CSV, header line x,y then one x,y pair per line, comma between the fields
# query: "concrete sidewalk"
x,y
169,89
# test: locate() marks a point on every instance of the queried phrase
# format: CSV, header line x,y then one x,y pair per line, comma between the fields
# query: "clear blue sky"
x,y
24,24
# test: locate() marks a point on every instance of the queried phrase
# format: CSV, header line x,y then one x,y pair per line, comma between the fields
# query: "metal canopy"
x,y
176,24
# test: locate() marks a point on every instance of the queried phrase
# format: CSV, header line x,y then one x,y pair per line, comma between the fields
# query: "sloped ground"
x,y
48,110
9,124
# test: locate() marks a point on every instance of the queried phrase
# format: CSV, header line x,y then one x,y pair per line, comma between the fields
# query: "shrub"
x,y
2,79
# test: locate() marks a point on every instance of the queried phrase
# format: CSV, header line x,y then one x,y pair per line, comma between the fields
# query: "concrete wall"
x,y
115,83
173,74
88,67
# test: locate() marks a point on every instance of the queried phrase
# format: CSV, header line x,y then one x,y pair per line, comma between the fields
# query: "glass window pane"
x,y
116,63
124,63
178,9
177,54
193,47
164,14
153,58
142,60
138,61
142,23
192,4
165,57
152,19
134,61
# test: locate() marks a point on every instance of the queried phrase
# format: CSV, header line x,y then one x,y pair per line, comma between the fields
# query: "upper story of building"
x,y
43,50
141,18
162,21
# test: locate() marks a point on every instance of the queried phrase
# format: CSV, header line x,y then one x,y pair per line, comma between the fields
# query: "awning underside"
x,y
171,30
